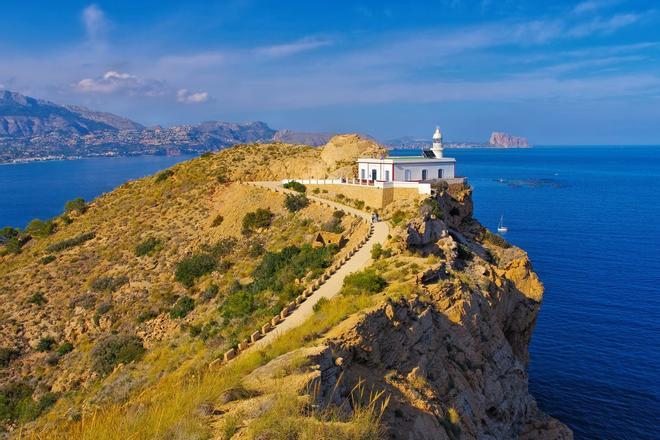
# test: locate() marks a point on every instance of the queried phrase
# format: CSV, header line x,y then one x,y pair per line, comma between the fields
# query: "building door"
x,y
439,173
363,174
407,176
424,175
387,175
374,173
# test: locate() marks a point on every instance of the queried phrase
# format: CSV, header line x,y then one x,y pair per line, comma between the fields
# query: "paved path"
x,y
360,260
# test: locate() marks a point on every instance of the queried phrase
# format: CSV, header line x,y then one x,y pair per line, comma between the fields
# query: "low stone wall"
x,y
289,308
376,198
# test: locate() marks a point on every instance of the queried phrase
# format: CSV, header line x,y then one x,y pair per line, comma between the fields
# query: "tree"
x,y
76,205
295,202
39,228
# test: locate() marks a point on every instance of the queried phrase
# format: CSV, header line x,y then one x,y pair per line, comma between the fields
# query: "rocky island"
x,y
117,313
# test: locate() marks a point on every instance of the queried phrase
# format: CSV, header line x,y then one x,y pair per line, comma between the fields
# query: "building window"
x,y
407,175
374,174
363,174
424,175
387,175
439,173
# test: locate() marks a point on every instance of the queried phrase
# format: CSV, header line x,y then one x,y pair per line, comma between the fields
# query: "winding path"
x,y
360,260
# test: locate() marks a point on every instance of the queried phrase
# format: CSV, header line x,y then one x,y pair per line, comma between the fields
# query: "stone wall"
x,y
372,197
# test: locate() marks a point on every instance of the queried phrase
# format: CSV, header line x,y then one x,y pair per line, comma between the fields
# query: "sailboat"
x,y
500,226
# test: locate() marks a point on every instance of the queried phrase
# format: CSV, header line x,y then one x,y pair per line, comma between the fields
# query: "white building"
x,y
432,165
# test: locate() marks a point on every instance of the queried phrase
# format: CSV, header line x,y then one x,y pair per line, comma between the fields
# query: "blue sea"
x,y
588,216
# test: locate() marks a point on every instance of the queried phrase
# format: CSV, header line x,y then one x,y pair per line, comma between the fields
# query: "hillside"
x,y
113,313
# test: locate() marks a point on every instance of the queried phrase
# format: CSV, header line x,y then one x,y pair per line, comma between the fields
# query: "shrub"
x,y
238,304
191,268
47,259
367,281
295,202
37,298
495,239
146,316
209,293
114,350
376,251
7,233
71,242
65,348
76,205
86,301
338,214
333,225
398,217
163,176
15,244
340,196
320,304
464,253
46,343
296,186
7,355
261,218
182,307
40,228
316,190
222,248
17,404
147,246
359,204
221,177
101,310
217,221
256,249
108,284
430,207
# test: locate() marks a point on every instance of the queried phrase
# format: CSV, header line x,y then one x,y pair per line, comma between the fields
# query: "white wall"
x,y
383,171
448,170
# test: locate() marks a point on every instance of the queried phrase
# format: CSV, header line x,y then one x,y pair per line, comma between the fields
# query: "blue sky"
x,y
558,72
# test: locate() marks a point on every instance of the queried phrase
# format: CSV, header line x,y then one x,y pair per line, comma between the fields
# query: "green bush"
x,y
238,304
65,348
261,218
333,225
295,202
209,293
431,206
17,404
7,355
182,307
296,186
37,298
316,190
47,259
163,176
217,221
338,214
222,248
114,350
495,239
108,284
146,316
7,233
15,244
71,242
398,217
191,268
76,205
40,228
147,246
367,281
376,251
46,343
320,303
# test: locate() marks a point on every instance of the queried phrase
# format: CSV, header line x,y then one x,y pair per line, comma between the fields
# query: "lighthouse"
x,y
437,143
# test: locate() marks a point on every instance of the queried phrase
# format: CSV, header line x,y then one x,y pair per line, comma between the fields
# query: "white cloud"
x,y
95,22
289,49
120,82
191,98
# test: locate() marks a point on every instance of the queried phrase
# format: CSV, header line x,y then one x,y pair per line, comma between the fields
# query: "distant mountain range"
x,y
497,140
34,129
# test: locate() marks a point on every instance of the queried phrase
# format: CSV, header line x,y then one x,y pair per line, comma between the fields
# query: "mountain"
x,y
22,116
504,140
116,312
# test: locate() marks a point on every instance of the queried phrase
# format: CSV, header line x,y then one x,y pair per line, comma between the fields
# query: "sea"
x,y
589,217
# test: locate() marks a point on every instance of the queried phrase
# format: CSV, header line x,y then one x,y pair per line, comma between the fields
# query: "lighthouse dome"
x,y
437,135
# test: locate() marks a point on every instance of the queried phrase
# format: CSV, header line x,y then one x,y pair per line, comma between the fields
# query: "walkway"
x,y
360,260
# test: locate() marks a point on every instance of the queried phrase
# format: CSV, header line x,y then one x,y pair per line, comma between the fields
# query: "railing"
x,y
422,188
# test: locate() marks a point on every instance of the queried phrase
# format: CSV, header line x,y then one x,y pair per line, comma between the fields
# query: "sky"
x,y
559,73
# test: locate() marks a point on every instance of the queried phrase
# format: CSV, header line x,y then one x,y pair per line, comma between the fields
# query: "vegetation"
x,y
182,307
217,221
431,207
398,217
37,299
8,233
7,355
296,186
109,283
114,350
17,404
47,259
147,247
333,225
65,348
46,343
40,228
76,205
295,202
261,218
495,239
189,269
364,282
71,242
163,176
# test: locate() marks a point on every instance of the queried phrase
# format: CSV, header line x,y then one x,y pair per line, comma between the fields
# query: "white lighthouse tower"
x,y
437,143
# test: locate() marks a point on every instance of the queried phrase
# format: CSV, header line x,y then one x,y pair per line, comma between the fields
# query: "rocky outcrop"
x,y
500,139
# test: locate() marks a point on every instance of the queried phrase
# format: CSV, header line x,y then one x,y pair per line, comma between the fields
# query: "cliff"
x,y
499,139
111,318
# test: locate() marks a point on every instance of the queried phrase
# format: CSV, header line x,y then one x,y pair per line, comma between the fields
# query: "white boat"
x,y
501,227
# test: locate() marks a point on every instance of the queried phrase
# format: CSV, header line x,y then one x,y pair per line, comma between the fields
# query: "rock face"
x,y
299,137
500,139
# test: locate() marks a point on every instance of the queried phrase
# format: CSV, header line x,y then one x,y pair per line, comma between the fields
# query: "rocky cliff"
x,y
504,140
